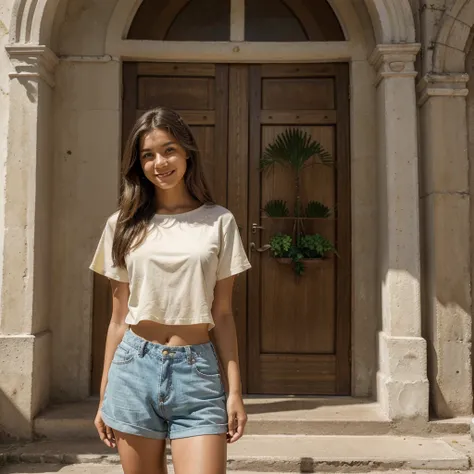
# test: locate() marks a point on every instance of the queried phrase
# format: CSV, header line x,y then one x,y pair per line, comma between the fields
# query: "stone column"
x,y
25,339
446,267
402,386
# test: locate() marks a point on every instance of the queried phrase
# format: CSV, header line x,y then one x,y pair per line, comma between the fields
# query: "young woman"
x,y
171,255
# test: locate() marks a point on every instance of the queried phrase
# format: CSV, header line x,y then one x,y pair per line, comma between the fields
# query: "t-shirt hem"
x,y
112,276
234,271
173,322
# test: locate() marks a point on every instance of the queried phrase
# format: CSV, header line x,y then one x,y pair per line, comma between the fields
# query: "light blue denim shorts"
x,y
160,392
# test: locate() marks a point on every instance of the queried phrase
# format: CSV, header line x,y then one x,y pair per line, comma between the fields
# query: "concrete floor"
x,y
101,469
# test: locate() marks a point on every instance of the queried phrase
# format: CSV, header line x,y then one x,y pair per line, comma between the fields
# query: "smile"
x,y
165,175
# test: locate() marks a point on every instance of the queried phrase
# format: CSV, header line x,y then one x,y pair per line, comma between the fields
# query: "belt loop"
x,y
142,348
189,353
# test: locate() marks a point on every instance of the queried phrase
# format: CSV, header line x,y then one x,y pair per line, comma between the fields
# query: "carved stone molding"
x,y
32,62
394,60
442,85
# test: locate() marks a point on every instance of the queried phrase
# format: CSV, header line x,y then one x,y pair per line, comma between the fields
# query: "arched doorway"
x,y
293,332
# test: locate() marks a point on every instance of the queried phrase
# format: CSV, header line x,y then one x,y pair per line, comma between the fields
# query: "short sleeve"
x,y
232,256
102,262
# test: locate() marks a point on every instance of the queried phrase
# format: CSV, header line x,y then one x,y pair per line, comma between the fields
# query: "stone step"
x,y
279,416
272,453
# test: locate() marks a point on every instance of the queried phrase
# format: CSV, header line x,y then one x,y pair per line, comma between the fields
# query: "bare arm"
x,y
227,347
115,332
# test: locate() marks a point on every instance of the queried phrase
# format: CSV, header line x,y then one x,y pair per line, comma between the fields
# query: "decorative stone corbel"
x,y
442,85
394,60
32,62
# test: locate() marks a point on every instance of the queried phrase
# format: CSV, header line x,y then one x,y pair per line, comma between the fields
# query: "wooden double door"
x,y
293,332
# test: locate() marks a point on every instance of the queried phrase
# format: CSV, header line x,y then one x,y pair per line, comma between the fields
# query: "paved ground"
x,y
101,469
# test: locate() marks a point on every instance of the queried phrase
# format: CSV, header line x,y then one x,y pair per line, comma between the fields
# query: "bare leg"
x,y
205,454
139,455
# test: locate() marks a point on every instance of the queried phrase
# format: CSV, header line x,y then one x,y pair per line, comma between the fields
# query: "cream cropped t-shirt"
x,y
172,274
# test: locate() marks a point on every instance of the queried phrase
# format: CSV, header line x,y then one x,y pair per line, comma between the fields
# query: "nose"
x,y
160,160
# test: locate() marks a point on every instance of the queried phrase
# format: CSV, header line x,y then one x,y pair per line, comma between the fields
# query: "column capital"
x,y
32,62
394,60
442,85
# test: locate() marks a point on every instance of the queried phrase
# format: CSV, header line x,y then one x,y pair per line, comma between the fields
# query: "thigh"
x,y
139,455
205,454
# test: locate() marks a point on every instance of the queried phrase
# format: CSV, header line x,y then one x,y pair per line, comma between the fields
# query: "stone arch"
x,y
392,20
32,20
452,39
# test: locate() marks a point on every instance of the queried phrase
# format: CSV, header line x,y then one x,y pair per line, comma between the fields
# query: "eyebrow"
x,y
143,150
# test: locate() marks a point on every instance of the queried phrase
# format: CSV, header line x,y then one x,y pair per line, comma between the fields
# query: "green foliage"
x,y
293,148
317,209
315,246
276,208
310,246
280,245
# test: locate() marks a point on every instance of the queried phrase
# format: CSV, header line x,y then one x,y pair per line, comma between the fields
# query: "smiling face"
x,y
163,159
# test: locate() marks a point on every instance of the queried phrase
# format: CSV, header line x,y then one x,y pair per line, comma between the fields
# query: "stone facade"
x,y
411,180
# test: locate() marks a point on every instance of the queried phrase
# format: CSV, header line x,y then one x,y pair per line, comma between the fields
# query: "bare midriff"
x,y
172,335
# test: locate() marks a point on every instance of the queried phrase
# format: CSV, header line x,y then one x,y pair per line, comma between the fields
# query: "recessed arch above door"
x,y
210,20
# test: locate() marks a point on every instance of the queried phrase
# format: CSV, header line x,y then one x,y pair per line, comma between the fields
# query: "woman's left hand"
x,y
237,418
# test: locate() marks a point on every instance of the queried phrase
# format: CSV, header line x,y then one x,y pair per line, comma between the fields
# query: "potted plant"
x,y
294,149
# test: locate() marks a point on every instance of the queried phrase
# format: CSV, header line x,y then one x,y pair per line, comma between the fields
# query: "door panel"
x,y
299,327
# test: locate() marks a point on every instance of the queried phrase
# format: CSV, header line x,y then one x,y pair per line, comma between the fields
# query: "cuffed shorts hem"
x,y
132,429
198,431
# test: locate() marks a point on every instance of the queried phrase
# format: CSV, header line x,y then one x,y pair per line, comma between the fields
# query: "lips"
x,y
165,175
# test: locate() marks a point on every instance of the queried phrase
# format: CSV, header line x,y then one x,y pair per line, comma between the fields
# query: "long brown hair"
x,y
137,200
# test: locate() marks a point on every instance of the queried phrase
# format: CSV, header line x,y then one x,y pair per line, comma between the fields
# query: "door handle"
x,y
253,247
255,227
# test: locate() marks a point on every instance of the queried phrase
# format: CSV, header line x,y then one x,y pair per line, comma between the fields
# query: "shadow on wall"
x,y
10,414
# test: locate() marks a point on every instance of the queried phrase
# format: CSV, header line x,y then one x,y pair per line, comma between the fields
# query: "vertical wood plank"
x,y
102,311
221,132
343,290
254,293
129,102
237,193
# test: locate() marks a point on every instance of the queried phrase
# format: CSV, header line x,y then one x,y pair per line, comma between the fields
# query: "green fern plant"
x,y
280,245
315,246
317,209
276,208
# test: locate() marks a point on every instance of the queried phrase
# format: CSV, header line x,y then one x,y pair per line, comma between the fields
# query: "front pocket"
x,y
123,354
206,368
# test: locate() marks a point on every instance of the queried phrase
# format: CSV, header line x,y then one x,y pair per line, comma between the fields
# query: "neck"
x,y
174,199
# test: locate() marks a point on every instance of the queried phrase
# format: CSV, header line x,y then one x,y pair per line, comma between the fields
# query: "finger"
x,y
231,423
110,436
240,430
102,433
103,436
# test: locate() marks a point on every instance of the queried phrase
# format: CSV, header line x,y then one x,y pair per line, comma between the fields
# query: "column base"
x,y
24,382
402,384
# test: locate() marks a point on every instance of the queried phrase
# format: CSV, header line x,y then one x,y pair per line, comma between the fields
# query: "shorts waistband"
x,y
142,345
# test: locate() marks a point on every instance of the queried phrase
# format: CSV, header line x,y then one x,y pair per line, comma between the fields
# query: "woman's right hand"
x,y
106,433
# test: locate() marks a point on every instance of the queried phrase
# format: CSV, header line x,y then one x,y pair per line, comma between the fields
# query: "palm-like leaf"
x,y
293,148
276,208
